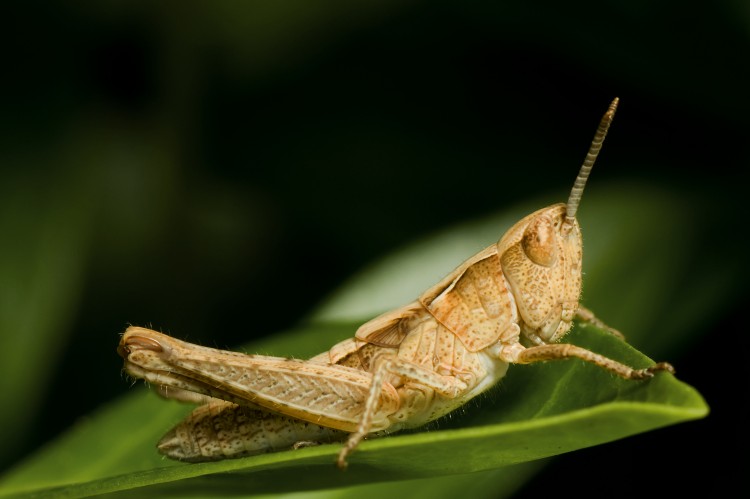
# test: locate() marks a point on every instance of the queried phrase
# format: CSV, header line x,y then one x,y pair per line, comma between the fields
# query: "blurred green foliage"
x,y
216,169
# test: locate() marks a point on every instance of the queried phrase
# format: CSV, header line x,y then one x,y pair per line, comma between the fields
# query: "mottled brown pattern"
x,y
504,305
219,430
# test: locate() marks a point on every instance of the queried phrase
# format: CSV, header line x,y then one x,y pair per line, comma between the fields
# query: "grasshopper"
x,y
509,304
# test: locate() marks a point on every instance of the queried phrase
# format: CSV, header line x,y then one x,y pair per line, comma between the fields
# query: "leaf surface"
x,y
536,411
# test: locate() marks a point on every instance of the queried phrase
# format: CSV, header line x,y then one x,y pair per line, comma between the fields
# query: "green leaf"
x,y
536,411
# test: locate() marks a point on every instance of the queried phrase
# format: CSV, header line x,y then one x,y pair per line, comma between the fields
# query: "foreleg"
x,y
541,353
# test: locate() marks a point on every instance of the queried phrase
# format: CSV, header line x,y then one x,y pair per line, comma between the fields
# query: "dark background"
x,y
180,164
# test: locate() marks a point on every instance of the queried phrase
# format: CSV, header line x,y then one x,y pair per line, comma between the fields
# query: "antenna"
x,y
583,175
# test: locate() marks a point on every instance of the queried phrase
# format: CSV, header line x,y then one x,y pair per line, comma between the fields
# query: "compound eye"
x,y
539,241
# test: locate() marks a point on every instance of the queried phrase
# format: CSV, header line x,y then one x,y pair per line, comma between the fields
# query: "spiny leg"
x,y
448,386
366,422
567,351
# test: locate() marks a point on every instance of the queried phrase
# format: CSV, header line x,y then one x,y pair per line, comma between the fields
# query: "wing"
x,y
390,329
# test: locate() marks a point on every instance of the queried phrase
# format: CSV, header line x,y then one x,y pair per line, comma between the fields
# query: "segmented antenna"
x,y
588,163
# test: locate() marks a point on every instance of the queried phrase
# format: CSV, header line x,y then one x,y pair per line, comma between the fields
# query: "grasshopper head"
x,y
541,257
